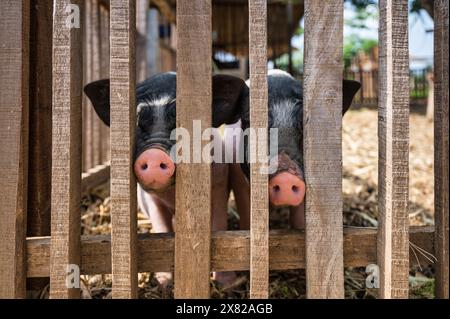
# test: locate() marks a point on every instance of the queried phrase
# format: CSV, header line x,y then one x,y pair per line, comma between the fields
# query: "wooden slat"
x,y
95,75
66,150
104,73
142,8
14,55
322,122
193,180
229,250
40,144
393,139
259,197
441,211
123,122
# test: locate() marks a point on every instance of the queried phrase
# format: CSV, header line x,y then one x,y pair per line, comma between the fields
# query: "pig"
x,y
153,166
287,184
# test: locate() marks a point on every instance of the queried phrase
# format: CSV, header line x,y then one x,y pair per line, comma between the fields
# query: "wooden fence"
x,y
324,249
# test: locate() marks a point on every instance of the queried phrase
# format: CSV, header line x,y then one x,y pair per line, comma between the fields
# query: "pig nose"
x,y
154,169
286,189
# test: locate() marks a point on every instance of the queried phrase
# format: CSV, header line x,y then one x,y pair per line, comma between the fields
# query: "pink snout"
x,y
286,189
154,169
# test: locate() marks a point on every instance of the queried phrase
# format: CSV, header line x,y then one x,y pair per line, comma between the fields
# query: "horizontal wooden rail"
x,y
94,177
229,250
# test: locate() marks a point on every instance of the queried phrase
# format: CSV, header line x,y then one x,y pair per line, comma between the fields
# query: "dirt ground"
x,y
360,154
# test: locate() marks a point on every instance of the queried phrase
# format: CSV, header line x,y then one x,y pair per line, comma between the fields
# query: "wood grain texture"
x,y
193,180
393,157
96,75
229,250
142,9
40,143
259,197
322,123
66,150
104,73
14,98
441,211
123,125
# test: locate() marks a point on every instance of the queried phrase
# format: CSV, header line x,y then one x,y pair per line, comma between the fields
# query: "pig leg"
x,y
161,218
297,216
241,190
219,206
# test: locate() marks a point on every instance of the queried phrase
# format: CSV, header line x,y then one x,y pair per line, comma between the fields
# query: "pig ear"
x,y
98,93
230,99
349,89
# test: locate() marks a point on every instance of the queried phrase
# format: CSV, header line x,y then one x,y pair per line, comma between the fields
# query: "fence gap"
x,y
14,55
123,122
193,186
104,73
66,151
441,211
322,122
393,157
259,197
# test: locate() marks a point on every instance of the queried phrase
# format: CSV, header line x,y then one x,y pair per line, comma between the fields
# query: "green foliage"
x,y
353,44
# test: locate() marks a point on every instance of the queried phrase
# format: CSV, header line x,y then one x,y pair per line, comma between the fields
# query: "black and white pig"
x,y
286,185
153,166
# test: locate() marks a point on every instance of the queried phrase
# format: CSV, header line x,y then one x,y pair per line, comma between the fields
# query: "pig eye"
x,y
145,119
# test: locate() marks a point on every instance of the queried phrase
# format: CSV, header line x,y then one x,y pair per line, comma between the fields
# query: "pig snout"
x,y
154,169
286,189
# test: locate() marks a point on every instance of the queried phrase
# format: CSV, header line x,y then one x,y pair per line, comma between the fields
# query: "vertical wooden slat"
x,y
95,75
40,140
322,122
393,139
66,149
142,8
104,73
14,55
88,111
123,119
259,200
193,186
441,211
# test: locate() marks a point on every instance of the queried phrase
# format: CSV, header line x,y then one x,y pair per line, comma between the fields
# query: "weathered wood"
x,y
229,250
123,122
104,73
322,122
441,211
193,186
142,8
259,197
95,75
66,149
393,158
40,126
40,144
153,50
14,99
94,177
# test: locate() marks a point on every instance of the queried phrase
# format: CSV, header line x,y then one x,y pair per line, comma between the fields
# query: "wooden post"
x,y
393,161
259,197
123,122
40,125
142,9
322,122
104,73
441,211
14,94
66,148
95,75
193,186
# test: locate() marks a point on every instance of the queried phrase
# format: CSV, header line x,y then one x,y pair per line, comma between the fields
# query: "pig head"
x,y
286,184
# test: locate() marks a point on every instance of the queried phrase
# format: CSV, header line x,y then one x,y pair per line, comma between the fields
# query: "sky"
x,y
420,41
